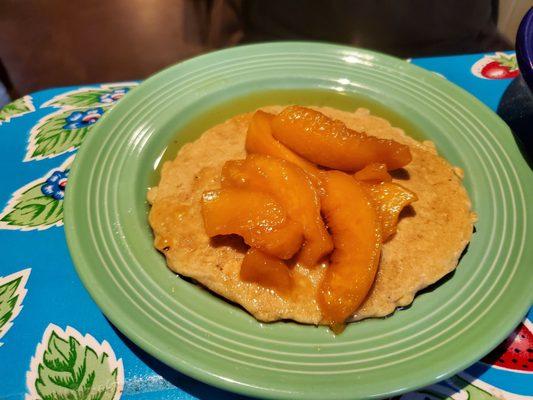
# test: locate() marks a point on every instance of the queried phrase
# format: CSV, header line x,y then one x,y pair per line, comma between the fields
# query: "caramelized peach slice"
x,y
257,217
330,143
259,140
267,271
390,199
356,230
373,173
293,189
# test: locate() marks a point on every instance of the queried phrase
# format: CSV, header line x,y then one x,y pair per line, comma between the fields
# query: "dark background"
x,y
46,43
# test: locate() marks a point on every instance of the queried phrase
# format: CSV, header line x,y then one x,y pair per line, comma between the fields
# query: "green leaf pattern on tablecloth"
x,y
65,129
29,208
68,366
454,388
481,390
55,134
16,108
474,392
91,96
12,292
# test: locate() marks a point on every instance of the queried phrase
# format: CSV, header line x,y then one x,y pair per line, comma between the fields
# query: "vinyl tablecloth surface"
x,y
57,344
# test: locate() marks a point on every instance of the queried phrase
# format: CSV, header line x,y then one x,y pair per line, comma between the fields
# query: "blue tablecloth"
x,y
55,340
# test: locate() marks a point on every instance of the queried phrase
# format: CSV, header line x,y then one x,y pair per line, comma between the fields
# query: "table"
x,y
54,339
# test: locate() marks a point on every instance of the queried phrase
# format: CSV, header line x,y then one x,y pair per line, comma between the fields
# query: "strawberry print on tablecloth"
x,y
516,352
496,66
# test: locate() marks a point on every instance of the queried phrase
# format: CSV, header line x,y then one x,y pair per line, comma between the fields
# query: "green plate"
x,y
444,331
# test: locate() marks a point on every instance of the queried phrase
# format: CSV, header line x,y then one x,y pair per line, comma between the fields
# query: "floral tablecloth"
x,y
56,343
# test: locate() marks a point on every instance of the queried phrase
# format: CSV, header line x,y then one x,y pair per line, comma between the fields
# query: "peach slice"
x,y
329,143
259,140
356,230
293,189
255,216
390,199
373,173
267,271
